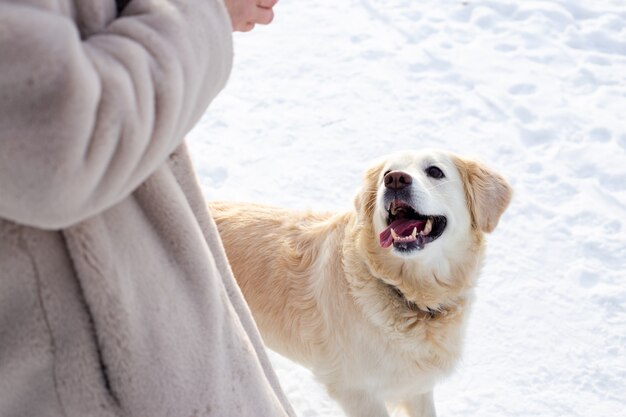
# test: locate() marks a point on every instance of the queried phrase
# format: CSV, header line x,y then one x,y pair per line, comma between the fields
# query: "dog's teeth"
x,y
428,228
414,234
394,235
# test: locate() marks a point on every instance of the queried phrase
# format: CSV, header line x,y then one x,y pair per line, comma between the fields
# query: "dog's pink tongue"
x,y
403,227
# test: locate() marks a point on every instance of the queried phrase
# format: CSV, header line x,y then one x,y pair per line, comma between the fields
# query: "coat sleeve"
x,y
83,122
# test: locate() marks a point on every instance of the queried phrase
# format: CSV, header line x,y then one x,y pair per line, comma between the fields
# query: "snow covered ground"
x,y
536,89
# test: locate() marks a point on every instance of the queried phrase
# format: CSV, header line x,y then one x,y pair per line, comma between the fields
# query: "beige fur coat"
x,y
115,295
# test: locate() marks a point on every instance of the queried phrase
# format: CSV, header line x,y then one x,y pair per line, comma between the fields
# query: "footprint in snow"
x,y
587,279
599,134
536,137
524,115
522,89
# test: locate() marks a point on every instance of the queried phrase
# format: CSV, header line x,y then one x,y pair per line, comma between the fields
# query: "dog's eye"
x,y
434,172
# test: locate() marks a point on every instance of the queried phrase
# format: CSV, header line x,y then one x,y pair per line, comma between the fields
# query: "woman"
x,y
115,295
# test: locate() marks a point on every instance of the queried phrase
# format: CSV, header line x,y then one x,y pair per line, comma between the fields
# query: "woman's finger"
x,y
246,27
266,4
264,16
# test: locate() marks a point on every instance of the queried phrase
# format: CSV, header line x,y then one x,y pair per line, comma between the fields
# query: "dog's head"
x,y
422,205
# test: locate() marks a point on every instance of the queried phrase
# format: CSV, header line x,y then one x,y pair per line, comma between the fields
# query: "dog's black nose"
x,y
397,180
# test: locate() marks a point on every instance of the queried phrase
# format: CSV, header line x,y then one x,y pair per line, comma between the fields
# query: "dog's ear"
x,y
488,194
365,200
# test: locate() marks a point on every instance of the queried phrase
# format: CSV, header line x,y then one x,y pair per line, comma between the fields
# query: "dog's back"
x,y
276,257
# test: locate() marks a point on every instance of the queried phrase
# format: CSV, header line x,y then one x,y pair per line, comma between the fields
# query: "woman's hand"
x,y
245,14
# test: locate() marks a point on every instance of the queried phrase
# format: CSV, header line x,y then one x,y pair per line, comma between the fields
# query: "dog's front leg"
x,y
360,403
421,405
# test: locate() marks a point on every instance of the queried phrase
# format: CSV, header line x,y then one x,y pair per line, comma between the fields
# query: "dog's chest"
x,y
395,366
387,376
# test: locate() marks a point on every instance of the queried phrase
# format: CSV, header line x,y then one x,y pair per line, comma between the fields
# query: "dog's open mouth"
x,y
407,229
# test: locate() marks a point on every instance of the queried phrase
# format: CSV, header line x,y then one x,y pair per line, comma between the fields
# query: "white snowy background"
x,y
536,89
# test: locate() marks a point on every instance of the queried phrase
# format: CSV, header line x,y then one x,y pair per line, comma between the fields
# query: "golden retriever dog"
x,y
374,301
